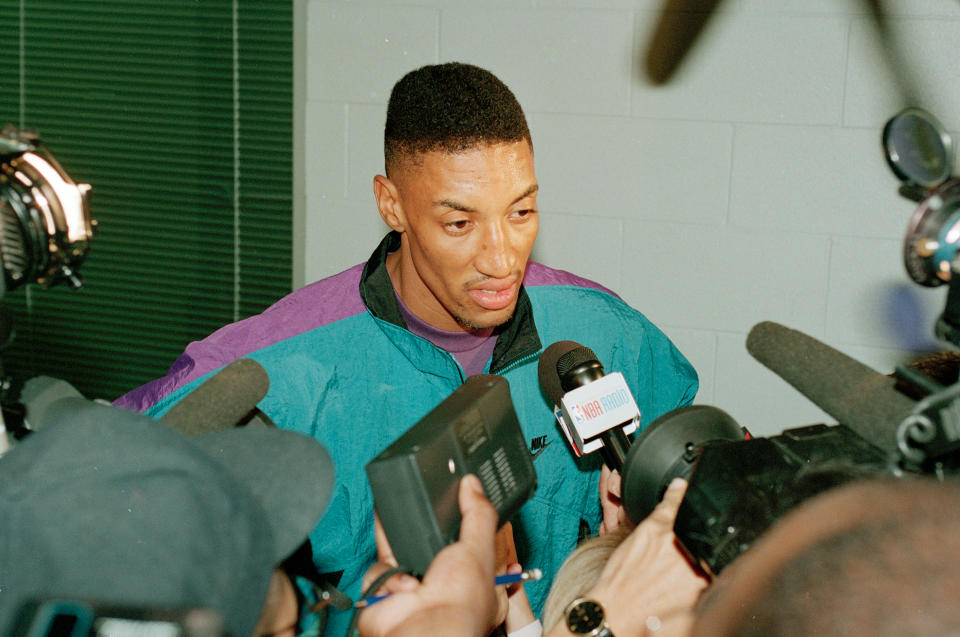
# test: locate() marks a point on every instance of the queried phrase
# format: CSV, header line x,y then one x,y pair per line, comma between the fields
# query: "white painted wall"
x,y
750,188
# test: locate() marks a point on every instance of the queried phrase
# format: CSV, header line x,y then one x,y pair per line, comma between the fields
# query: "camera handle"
x,y
932,430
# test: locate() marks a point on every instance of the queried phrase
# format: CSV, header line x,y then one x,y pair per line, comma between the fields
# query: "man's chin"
x,y
486,320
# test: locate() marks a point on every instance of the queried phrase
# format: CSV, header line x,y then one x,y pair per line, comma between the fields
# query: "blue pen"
x,y
499,580
532,574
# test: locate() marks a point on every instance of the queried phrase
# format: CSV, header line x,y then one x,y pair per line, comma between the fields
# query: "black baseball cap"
x,y
112,506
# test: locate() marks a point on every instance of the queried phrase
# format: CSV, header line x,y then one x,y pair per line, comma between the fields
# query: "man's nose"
x,y
497,257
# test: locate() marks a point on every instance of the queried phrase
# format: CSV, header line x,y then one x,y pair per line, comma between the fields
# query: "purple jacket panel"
x,y
315,305
298,312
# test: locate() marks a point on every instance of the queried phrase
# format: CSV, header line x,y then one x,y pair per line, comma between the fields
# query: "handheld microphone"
x,y
225,400
857,396
596,411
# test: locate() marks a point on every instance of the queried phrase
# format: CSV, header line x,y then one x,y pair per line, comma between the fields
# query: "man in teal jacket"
x,y
356,359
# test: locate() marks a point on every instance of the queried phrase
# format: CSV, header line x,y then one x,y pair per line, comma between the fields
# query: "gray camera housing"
x,y
415,480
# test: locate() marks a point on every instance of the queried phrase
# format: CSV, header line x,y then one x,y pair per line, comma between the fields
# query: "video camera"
x,y
739,485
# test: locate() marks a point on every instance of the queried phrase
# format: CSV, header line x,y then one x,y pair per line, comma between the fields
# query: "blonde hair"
x,y
579,573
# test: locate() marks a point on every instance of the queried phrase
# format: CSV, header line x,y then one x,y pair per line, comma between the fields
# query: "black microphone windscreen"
x,y
853,393
547,368
222,401
575,358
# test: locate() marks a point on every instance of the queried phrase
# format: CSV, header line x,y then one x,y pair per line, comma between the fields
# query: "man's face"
x,y
468,222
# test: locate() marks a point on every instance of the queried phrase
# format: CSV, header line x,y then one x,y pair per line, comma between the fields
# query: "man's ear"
x,y
388,202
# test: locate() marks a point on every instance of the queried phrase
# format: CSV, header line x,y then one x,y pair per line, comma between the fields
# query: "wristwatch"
x,y
586,617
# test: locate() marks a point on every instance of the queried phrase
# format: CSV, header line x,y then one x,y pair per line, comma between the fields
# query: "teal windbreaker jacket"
x,y
344,369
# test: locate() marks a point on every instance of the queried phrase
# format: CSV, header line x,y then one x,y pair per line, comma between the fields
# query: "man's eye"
x,y
524,214
460,224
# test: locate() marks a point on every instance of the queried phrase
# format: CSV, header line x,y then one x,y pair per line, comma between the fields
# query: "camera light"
x,y
45,221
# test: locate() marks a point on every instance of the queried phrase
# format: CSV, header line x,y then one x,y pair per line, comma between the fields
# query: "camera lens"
x,y
668,449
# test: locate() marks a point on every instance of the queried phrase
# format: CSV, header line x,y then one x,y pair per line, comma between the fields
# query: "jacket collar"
x,y
517,338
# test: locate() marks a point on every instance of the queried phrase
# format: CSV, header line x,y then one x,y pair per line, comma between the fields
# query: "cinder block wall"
x,y
752,187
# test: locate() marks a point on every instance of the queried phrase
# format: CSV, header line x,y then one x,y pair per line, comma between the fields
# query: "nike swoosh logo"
x,y
533,455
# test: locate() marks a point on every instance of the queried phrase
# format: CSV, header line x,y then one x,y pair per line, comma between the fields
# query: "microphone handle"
x,y
615,447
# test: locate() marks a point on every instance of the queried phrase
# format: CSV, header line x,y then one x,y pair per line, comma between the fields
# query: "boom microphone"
x,y
225,400
596,411
676,32
857,396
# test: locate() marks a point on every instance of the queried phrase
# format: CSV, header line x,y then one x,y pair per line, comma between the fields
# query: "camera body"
x,y
738,485
415,481
739,489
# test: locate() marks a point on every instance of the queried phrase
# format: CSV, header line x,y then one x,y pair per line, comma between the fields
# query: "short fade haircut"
x,y
450,107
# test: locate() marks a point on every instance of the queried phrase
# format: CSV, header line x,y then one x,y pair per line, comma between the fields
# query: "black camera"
x,y
738,485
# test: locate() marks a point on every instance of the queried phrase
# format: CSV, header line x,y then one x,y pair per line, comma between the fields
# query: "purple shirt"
x,y
471,349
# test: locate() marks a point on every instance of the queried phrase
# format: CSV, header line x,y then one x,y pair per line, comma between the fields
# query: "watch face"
x,y
585,617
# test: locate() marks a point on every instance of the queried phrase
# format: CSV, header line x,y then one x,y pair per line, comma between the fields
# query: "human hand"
x,y
648,582
518,610
457,595
511,599
611,504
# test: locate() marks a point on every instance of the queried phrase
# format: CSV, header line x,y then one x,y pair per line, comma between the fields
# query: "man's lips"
x,y
494,295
